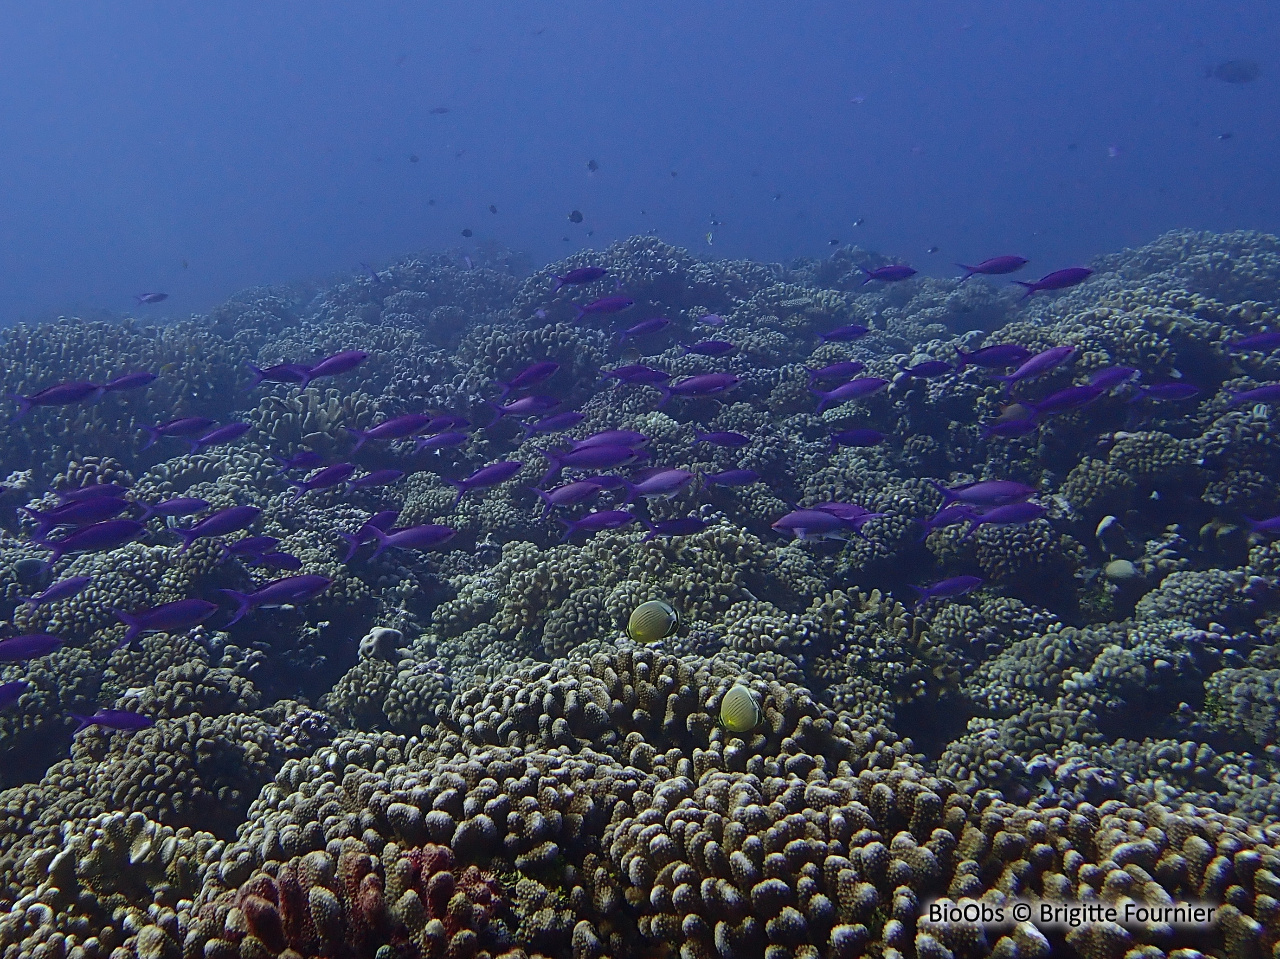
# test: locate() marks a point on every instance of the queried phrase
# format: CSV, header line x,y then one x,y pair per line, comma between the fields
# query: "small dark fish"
x,y
175,506
1259,342
183,426
1235,71
1038,365
493,208
1173,392
996,266
531,375
129,381
396,428
176,617
947,588
382,521
117,720
1110,377
575,216
610,438
91,491
554,424
590,457
732,478
223,434
83,512
95,538
857,438
467,233
438,110
301,460
1064,400
1269,393
854,389
637,375
927,369
888,274
593,166
843,370
811,525
17,649
726,438
485,477
597,522
711,348
375,479
833,243
1226,135
413,158
11,692
605,305
413,537
280,373
440,441
704,384
664,484
63,589
326,478
645,327
1057,280
61,394
224,521
338,363
991,357
685,526
290,591
526,406
278,560
843,334
150,297
1011,514
570,494
986,492
583,274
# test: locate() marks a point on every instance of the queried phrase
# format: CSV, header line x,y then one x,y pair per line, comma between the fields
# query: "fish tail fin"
x,y
258,374
666,395
528,429
383,540
306,378
498,412
153,437
132,632
353,546
187,536
559,283
869,275
631,492
969,271
581,314
148,511
545,497
24,407
461,486
555,468
1028,285
360,435
570,527
947,495
84,722
243,605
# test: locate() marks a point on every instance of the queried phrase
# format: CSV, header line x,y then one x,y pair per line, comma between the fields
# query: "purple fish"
x,y
996,266
1057,280
948,516
58,395
63,589
525,406
279,560
1257,342
117,720
175,617
11,692
986,492
440,441
375,479
843,370
326,478
993,357
249,549
150,297
582,275
590,457
711,319
729,439
888,274
174,506
1262,394
663,484
92,490
597,522
76,513
947,588
445,421
857,438
301,460
129,381
337,364
1169,391
610,438
811,525
1110,377
382,521
1038,365
1012,427
853,390
851,513
224,521
732,478
605,305
93,539
413,537
1065,400
290,591
485,477
280,373
645,327
32,646
1011,514
685,526
223,434
1271,525
842,334
711,348
927,370
183,426
396,428
570,494
556,423
531,375
704,384
637,374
